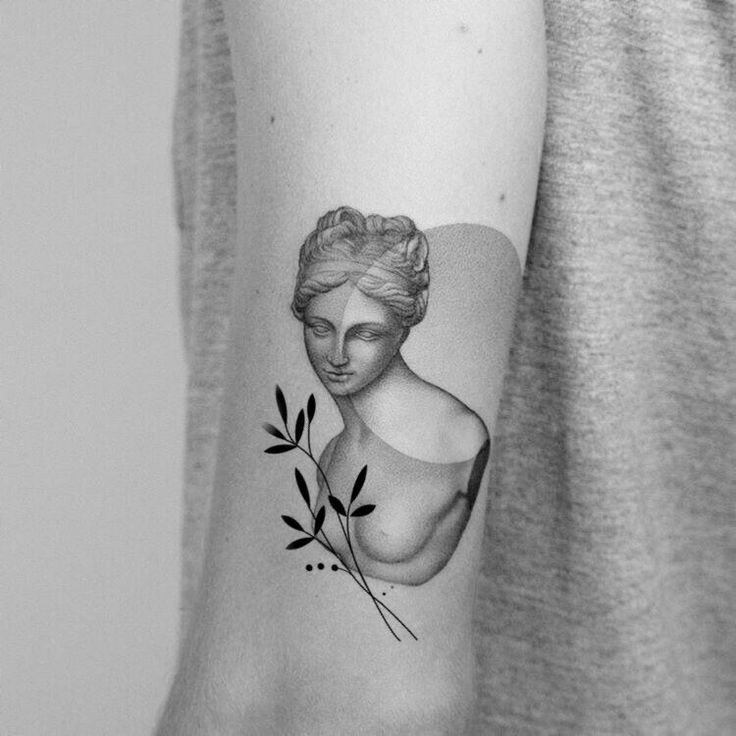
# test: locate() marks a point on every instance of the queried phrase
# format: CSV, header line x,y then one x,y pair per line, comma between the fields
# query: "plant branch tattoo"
x,y
411,451
344,515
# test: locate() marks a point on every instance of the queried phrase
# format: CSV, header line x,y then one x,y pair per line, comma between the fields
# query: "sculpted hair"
x,y
384,257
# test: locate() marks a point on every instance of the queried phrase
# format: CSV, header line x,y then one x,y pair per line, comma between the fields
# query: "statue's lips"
x,y
338,376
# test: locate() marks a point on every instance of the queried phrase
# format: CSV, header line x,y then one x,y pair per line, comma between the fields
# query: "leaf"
x,y
297,543
358,485
281,403
311,407
293,523
276,449
302,485
319,520
299,428
272,430
364,510
336,504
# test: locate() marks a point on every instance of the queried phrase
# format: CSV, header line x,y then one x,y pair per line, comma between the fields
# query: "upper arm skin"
x,y
427,109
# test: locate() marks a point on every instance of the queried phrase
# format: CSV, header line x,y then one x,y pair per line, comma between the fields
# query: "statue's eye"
x,y
319,329
367,334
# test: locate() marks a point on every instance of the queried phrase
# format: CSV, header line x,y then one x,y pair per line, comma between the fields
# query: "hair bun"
x,y
391,244
416,251
341,214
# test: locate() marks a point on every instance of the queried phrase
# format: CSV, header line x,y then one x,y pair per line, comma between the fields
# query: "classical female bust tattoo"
x,y
394,490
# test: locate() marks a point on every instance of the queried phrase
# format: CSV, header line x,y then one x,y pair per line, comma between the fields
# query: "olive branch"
x,y
293,441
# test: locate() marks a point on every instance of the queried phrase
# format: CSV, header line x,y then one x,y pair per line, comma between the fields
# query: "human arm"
x,y
410,107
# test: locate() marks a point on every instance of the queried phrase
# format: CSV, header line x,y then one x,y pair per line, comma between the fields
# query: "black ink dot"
x,y
502,198
309,568
384,593
273,119
335,568
320,566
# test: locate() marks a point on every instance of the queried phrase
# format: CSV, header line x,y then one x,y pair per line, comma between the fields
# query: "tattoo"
x,y
344,514
412,451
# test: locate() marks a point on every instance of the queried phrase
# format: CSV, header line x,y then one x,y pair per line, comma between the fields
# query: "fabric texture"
x,y
205,173
607,603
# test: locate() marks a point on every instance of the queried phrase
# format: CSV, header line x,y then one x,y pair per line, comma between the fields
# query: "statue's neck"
x,y
370,405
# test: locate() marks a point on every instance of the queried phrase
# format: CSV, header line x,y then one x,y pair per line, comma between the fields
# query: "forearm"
x,y
399,108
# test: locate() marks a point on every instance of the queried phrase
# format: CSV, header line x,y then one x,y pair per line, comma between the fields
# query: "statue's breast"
x,y
421,508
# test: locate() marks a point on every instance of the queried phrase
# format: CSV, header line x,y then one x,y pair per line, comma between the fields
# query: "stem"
x,y
383,605
346,534
362,583
328,546
368,590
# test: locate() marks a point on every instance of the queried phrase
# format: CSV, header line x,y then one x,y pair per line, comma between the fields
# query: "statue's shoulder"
x,y
326,458
447,425
329,449
462,428
467,426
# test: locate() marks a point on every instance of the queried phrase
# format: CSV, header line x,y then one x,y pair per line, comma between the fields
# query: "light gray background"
x,y
91,366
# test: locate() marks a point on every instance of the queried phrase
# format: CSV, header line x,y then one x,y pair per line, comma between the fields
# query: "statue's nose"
x,y
338,354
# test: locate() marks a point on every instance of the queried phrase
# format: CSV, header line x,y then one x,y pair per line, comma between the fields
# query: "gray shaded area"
x,y
473,270
608,598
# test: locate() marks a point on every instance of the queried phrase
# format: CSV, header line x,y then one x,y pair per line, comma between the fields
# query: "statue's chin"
x,y
336,388
341,387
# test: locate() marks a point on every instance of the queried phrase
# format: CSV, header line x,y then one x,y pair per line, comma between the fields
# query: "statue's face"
x,y
350,338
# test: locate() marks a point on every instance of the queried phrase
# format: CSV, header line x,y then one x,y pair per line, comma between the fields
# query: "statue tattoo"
x,y
394,490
